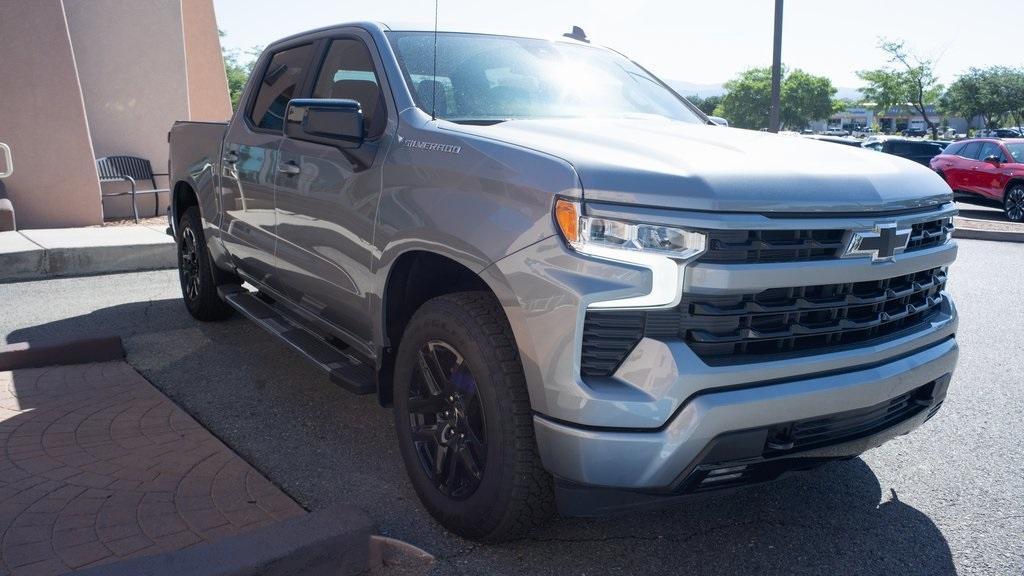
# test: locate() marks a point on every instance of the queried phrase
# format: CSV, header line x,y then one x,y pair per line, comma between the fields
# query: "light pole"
x,y
773,122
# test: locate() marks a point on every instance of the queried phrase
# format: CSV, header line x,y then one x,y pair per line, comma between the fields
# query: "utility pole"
x,y
773,122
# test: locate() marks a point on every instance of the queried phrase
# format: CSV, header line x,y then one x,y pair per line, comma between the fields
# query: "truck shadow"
x,y
324,446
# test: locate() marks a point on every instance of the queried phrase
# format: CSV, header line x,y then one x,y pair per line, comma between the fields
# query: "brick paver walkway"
x,y
97,465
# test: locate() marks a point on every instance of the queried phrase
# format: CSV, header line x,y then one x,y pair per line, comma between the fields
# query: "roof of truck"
x,y
421,27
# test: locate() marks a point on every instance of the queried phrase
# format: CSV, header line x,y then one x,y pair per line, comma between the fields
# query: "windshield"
x,y
1016,150
484,79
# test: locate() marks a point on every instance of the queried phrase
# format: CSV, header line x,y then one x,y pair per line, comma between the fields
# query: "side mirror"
x,y
993,160
325,121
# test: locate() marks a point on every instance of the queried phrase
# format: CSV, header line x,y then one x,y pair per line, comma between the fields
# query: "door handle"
x,y
231,157
5,151
289,168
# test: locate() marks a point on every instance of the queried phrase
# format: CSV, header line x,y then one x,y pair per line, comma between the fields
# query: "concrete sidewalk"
x,y
34,254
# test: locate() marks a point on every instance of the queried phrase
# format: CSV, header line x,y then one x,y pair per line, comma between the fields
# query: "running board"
x,y
343,367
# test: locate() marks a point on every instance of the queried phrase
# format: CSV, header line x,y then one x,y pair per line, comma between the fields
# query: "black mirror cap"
x,y
330,121
993,159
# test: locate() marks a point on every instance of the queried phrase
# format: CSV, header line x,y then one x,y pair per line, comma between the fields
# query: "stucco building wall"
x,y
83,79
42,119
207,84
131,64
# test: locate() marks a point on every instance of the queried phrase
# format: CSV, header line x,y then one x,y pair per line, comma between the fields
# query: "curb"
x,y
390,556
36,355
994,235
43,263
335,542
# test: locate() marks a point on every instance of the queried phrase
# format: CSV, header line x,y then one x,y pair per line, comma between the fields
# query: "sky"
x,y
702,43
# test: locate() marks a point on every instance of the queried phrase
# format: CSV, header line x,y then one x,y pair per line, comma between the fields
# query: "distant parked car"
x,y
986,170
920,151
998,133
915,132
836,131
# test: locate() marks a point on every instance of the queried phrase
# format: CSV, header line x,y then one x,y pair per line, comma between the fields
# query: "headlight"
x,y
589,235
661,249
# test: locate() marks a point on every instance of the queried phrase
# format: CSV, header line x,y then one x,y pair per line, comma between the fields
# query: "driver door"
x,y
327,197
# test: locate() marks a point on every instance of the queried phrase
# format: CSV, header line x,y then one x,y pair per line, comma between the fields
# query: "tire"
x,y
480,399
196,272
1013,202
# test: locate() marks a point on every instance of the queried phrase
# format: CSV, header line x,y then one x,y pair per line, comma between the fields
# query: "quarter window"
x,y
971,150
278,86
348,73
954,149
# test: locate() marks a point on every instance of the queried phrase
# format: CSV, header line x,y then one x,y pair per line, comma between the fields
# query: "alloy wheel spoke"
x,y
469,460
440,462
432,373
451,468
429,405
425,434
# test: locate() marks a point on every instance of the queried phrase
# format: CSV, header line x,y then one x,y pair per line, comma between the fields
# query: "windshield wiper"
x,y
477,121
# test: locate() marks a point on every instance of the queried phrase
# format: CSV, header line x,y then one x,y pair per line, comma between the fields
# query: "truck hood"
x,y
664,163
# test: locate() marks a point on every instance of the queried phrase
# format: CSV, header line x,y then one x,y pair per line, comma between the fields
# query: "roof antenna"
x,y
433,84
577,34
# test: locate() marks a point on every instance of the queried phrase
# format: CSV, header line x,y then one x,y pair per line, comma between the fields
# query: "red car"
x,y
986,170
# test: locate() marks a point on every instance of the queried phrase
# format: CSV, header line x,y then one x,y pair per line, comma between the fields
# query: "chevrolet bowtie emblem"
x,y
882,243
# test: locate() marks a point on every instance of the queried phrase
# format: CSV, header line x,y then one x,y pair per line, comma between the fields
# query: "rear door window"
x,y
280,83
991,149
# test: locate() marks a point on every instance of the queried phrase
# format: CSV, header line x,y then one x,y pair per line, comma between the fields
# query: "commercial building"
x,y
892,120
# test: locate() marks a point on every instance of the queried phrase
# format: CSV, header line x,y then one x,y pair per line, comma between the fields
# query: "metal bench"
x,y
130,169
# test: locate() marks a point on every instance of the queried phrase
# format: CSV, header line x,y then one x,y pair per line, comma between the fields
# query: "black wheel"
x,y
1013,203
198,278
464,423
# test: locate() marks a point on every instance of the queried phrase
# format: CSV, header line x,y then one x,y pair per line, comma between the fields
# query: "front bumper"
x,y
661,461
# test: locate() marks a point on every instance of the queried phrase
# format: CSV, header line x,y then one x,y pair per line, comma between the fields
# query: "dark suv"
x,y
919,151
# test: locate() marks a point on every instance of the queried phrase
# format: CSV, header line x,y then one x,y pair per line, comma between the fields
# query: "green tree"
x,y
804,97
995,94
747,99
969,96
909,83
706,105
1008,89
237,66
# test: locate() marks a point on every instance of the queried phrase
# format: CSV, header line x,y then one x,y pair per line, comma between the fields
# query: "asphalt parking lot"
x,y
947,499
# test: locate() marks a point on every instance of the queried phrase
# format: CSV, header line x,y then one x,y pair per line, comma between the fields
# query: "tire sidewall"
x,y
459,331
188,220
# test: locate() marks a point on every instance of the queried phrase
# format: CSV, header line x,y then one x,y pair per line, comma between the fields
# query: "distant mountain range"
x,y
705,90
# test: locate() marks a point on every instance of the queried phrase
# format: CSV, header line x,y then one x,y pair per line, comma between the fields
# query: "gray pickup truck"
x,y
576,293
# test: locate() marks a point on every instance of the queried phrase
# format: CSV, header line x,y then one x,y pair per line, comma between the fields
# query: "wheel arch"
x,y
182,197
413,278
